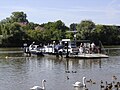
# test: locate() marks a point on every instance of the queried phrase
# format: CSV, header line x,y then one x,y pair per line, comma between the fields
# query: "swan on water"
x,y
38,87
79,84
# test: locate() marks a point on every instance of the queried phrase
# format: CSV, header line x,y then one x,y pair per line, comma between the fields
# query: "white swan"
x,y
38,87
79,84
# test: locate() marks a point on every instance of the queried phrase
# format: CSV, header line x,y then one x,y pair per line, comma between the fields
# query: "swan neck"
x,y
43,85
84,82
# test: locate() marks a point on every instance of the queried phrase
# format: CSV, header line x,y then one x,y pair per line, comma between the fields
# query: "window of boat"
x,y
49,46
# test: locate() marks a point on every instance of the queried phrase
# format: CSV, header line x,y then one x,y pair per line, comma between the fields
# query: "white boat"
x,y
34,50
88,50
89,56
67,48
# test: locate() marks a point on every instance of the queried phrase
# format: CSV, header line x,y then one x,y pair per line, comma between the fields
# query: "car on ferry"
x,y
70,46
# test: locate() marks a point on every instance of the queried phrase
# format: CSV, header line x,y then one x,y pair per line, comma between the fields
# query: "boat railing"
x,y
103,50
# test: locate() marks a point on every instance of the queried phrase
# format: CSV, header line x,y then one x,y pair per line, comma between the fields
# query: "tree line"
x,y
17,30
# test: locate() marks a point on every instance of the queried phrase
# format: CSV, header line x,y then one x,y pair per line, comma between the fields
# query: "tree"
x,y
73,27
35,35
61,28
85,29
55,30
20,17
16,34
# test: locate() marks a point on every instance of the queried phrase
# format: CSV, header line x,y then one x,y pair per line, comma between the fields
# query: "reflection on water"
x,y
21,73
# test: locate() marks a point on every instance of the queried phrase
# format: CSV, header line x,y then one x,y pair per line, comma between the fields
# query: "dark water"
x,y
18,72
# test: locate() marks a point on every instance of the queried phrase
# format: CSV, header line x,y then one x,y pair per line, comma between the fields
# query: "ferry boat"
x,y
84,49
88,50
68,49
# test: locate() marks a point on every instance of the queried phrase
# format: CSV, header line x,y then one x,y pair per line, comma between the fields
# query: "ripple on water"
x,y
18,73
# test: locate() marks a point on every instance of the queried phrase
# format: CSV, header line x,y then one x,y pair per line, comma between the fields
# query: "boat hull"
x,y
89,56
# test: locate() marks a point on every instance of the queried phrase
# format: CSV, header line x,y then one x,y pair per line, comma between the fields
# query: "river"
x,y
18,72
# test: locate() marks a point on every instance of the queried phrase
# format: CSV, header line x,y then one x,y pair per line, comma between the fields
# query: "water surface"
x,y
18,72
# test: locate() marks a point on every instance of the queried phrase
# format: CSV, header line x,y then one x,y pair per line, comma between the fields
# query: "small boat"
x,y
39,51
33,49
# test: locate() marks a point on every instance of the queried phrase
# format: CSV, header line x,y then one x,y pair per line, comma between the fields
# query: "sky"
x,y
69,11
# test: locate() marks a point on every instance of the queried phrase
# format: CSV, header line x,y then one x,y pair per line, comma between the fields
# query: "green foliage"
x,y
85,28
19,17
73,27
11,29
56,30
35,35
70,35
107,34
16,29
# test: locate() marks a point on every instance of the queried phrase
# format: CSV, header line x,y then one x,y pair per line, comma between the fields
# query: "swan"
x,y
79,84
38,87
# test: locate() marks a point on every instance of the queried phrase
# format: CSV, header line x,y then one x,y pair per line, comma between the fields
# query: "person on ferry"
x,y
81,48
92,47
